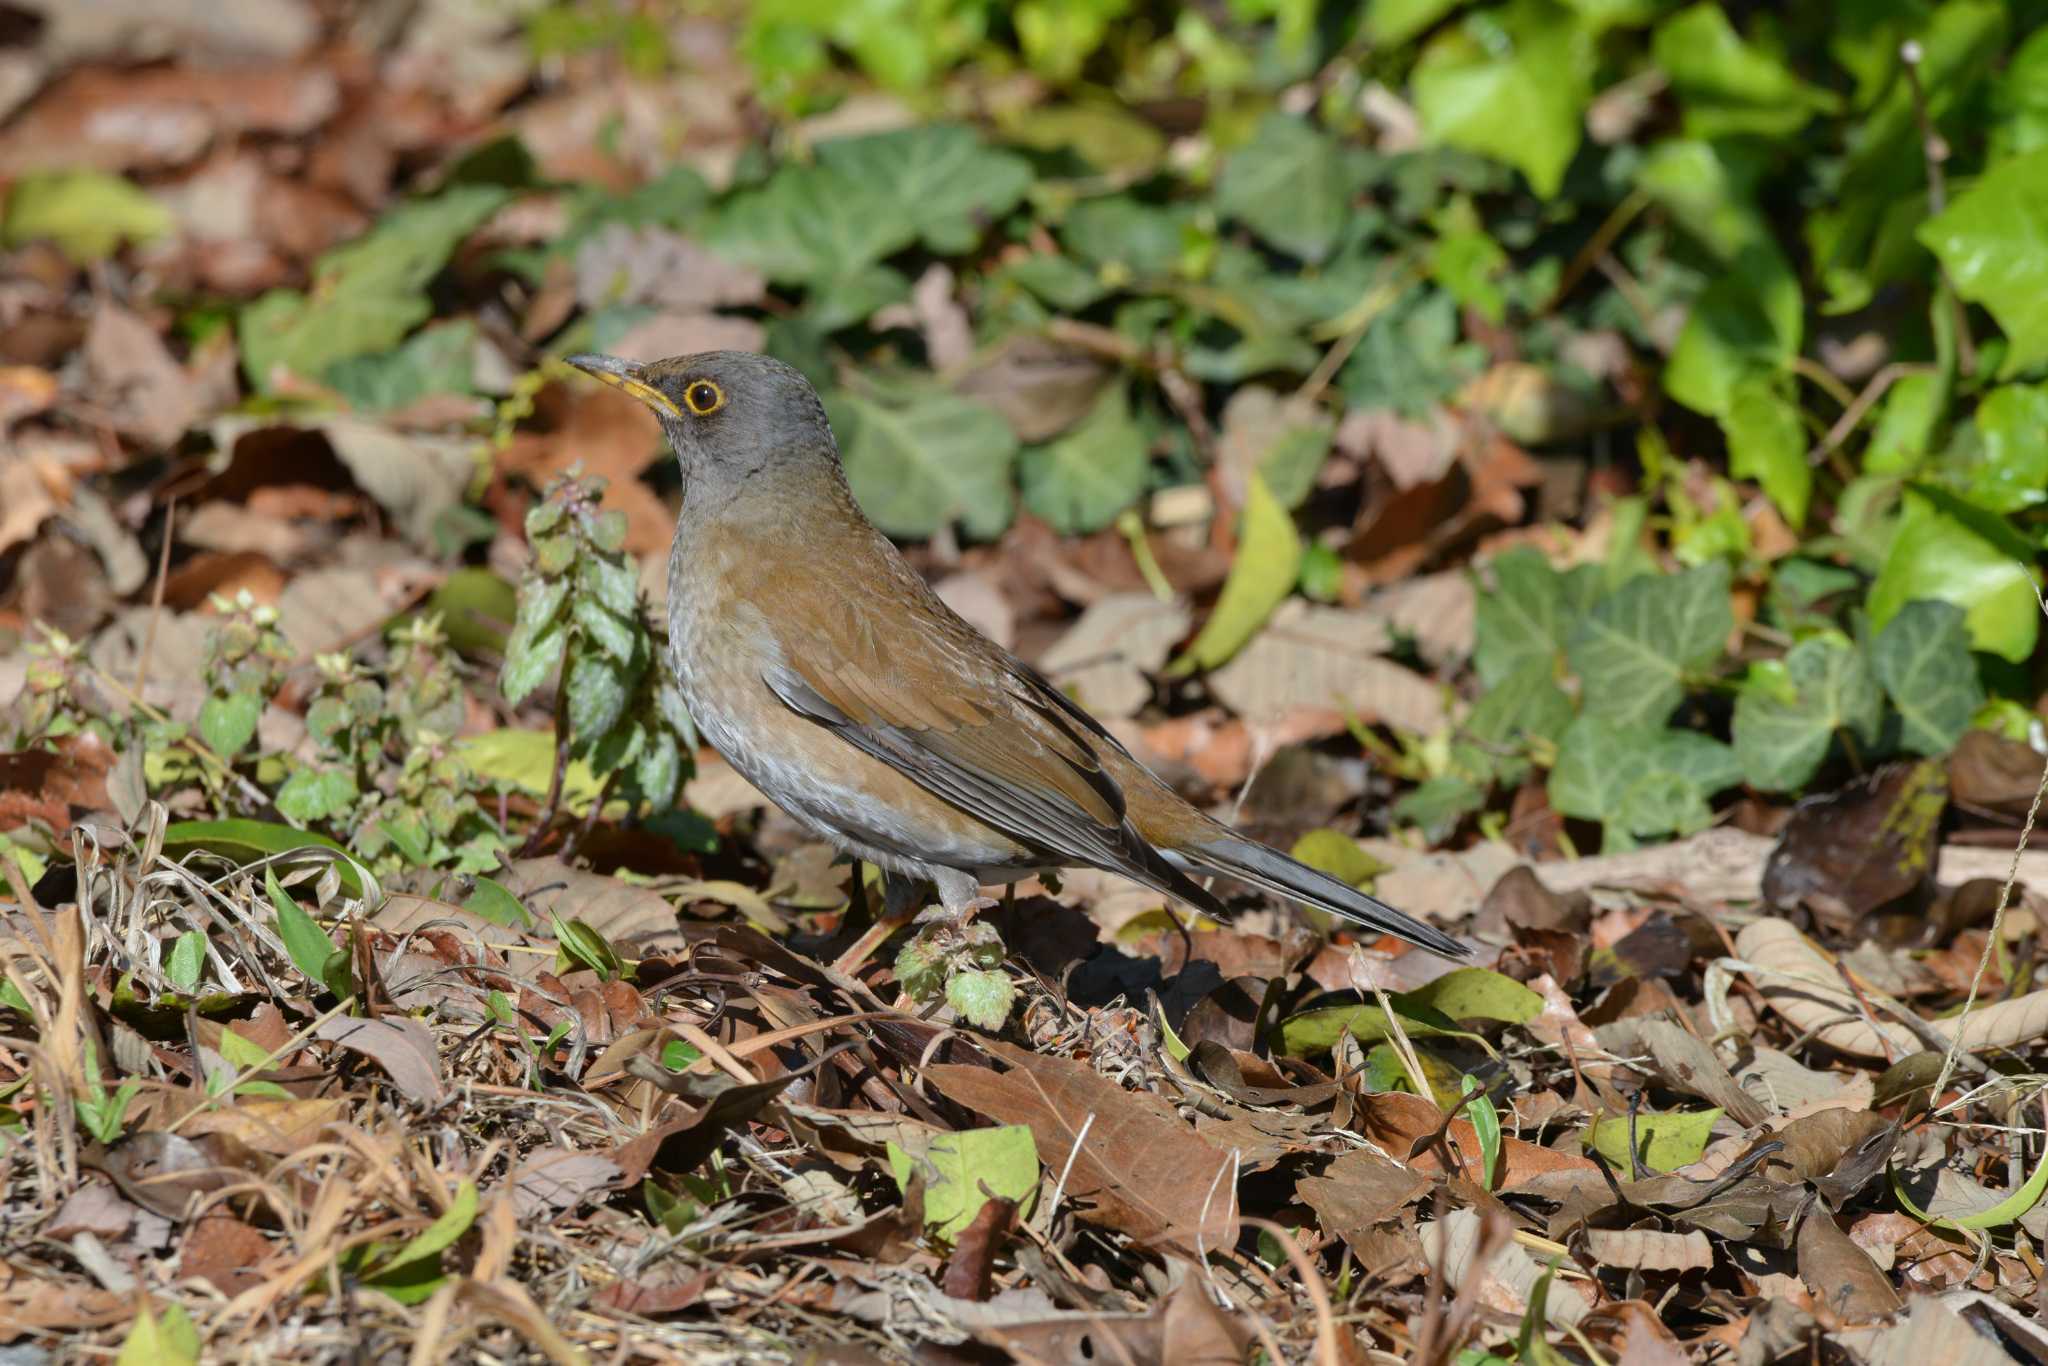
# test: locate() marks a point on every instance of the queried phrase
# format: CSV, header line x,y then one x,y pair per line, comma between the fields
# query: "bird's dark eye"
x,y
703,397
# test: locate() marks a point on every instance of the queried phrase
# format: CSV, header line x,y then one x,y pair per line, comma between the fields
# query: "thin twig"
x,y
156,597
1936,150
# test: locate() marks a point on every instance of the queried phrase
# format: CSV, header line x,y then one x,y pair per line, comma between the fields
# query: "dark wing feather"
x,y
1014,759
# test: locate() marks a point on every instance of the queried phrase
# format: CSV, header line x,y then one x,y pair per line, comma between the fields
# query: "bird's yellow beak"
x,y
626,375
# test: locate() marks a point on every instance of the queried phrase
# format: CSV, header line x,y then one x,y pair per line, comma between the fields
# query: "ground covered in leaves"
x,y
1575,470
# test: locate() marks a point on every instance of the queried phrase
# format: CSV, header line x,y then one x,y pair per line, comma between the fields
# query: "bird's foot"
x,y
955,917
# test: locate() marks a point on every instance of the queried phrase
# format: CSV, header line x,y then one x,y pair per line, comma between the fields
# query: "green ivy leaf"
x,y
1080,482
951,186
316,794
1727,87
438,360
1438,804
1510,83
982,998
2011,469
1127,236
1525,706
812,225
1922,656
228,724
1633,651
1767,443
1785,719
1410,358
1993,240
1936,554
1639,780
1268,563
1522,622
931,460
366,295
1293,184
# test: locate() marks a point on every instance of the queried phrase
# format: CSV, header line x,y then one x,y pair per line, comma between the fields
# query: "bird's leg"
x,y
959,899
900,898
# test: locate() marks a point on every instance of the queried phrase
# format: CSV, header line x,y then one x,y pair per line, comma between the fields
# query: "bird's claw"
x,y
952,918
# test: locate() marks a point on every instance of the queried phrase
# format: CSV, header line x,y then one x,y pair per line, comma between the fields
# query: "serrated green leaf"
x,y
613,635
316,794
929,461
87,215
1080,482
1781,739
1639,780
228,724
1922,657
540,602
1509,83
951,185
965,1170
613,582
1993,239
1268,563
1634,650
1664,1140
982,998
1293,184
598,688
531,658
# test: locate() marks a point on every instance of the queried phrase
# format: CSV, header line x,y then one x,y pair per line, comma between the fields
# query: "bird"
x,y
826,671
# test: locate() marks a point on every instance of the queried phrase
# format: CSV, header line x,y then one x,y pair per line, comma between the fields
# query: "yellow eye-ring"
x,y
703,397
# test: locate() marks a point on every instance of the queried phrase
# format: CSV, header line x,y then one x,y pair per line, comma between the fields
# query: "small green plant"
x,y
56,699
246,657
963,968
580,614
103,1113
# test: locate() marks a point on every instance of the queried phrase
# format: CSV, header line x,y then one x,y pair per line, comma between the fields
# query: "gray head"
x,y
732,416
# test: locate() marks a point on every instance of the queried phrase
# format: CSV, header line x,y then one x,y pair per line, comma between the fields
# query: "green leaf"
x,y
1476,994
439,360
1527,706
526,760
1410,358
1128,236
1922,656
1634,650
1993,240
316,794
964,1170
1059,35
1935,554
186,960
1727,87
1390,23
1293,185
1787,716
312,952
170,1340
1080,482
366,295
1767,443
86,214
1665,1140
613,581
1339,855
1522,622
413,1273
1268,563
1906,426
1485,1127
819,227
247,841
584,947
1639,780
492,900
1316,1031
2011,471
931,460
228,724
1438,805
1735,334
613,634
1509,83
2007,1211
983,999
951,186
598,689
531,658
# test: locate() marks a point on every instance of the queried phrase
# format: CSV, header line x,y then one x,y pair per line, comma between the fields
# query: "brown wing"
x,y
987,734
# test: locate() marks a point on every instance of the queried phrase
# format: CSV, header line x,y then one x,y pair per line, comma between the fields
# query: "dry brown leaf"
x,y
145,392
1643,1249
1041,386
404,1048
553,1181
1505,1281
1106,658
1360,1189
1143,1170
1683,1063
1326,660
1840,1275
632,919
